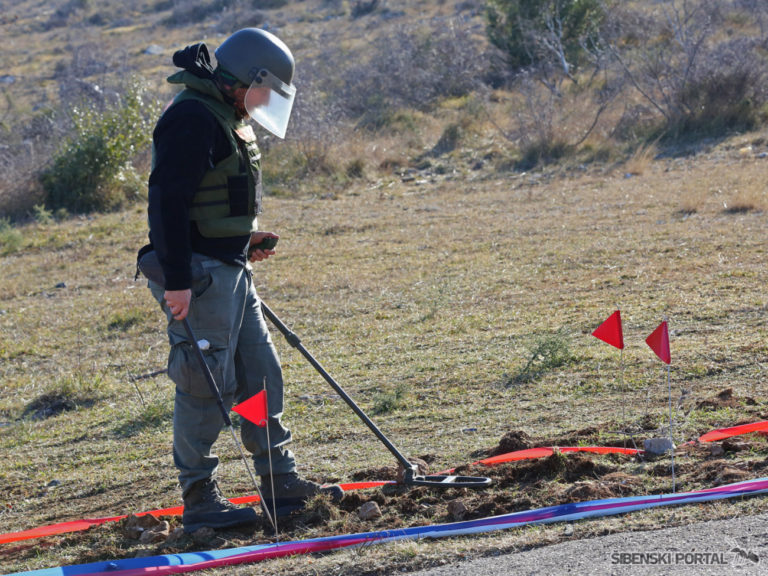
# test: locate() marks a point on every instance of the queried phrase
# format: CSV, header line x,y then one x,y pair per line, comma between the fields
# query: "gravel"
x,y
719,547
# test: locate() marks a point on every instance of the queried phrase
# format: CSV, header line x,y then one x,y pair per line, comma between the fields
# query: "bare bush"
x,y
414,68
547,125
63,15
26,146
679,65
726,90
92,81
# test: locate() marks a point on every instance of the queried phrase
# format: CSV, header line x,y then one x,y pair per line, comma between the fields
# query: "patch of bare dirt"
x,y
723,399
517,486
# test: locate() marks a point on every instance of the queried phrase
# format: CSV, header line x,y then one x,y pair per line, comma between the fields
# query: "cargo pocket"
x,y
185,371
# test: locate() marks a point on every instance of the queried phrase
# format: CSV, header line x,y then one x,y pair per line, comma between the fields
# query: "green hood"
x,y
202,85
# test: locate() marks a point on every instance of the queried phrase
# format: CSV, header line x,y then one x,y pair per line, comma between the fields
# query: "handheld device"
x,y
268,243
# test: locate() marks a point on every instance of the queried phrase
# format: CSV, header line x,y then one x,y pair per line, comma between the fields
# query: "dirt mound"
x,y
581,491
511,442
53,404
588,435
372,474
723,399
719,472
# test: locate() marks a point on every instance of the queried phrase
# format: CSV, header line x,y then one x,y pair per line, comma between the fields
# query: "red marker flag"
x,y
610,331
254,409
658,341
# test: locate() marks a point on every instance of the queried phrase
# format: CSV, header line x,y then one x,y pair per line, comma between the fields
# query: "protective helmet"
x,y
262,62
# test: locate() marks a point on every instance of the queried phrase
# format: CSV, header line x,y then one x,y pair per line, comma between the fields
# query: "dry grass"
x,y
438,285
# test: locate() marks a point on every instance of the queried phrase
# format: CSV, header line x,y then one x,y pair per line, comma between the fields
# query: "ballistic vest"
x,y
228,198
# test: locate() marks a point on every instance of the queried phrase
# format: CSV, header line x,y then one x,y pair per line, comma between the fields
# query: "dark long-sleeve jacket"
x,y
188,141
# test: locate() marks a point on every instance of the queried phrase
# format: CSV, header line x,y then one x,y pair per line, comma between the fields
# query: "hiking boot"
x,y
291,492
204,505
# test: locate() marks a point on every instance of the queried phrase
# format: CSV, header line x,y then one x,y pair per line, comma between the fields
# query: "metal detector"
x,y
410,476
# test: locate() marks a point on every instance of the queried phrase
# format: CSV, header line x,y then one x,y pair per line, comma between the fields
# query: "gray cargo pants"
x,y
225,311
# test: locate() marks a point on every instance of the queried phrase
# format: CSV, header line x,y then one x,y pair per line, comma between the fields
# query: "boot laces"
x,y
294,482
212,494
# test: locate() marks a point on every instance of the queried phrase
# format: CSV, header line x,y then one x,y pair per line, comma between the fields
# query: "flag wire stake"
x,y
269,456
623,391
138,391
671,438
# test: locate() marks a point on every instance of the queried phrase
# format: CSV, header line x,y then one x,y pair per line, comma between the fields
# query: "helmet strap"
x,y
227,84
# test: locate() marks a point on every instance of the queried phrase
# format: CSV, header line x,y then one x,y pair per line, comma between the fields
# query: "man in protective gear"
x,y
204,198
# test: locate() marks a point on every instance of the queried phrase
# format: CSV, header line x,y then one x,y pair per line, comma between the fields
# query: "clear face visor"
x,y
269,102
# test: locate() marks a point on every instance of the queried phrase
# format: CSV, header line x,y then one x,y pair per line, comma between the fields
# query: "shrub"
x,y
725,93
364,7
355,168
546,353
42,215
185,13
695,83
239,13
534,33
448,141
10,238
390,400
93,170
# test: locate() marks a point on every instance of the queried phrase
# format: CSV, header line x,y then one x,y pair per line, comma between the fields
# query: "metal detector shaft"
x,y
295,341
410,470
207,372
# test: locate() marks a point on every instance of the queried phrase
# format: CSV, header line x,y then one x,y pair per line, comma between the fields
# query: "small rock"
x,y
716,450
152,537
658,445
568,530
61,285
457,509
163,528
369,511
154,50
135,526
